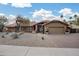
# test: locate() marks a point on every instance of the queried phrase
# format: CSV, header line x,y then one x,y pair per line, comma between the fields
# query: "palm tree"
x,y
70,17
70,20
61,16
75,16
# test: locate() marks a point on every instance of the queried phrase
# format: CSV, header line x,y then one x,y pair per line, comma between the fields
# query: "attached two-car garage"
x,y
56,30
56,27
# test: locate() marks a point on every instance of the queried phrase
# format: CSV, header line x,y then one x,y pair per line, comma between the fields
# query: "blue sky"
x,y
8,9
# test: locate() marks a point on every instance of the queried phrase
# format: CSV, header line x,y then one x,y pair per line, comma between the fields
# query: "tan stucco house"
x,y
50,27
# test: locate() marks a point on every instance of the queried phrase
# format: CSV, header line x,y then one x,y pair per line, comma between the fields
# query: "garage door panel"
x,y
56,30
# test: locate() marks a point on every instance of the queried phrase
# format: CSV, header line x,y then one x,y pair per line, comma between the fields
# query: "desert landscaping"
x,y
42,40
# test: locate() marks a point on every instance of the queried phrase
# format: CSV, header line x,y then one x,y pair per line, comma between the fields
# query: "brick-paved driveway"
x,y
30,39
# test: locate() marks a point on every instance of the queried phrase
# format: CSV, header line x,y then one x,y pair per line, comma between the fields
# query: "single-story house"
x,y
52,27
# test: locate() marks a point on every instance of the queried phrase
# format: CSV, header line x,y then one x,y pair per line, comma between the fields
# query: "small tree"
x,y
22,21
27,20
3,19
19,17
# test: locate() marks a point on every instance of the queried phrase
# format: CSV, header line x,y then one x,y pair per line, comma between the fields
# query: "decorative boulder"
x,y
7,33
14,35
42,38
3,36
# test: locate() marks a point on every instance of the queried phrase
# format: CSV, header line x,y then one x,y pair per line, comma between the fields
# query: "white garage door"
x,y
56,30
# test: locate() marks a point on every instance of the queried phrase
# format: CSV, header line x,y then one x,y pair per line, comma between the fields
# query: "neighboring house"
x,y
52,27
25,26
74,28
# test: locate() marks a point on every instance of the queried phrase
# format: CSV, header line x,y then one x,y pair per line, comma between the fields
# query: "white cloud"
x,y
17,3
2,14
11,16
21,5
66,11
11,19
13,1
75,13
42,14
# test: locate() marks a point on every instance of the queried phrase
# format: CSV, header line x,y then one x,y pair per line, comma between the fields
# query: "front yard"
x,y
43,40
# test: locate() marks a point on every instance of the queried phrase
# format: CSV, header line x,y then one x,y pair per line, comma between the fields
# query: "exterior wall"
x,y
26,29
23,29
11,29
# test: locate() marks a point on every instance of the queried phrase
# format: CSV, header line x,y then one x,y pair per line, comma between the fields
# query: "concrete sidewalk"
x,y
8,50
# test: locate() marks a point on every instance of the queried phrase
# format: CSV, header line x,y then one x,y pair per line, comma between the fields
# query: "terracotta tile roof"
x,y
32,23
42,22
14,24
11,25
